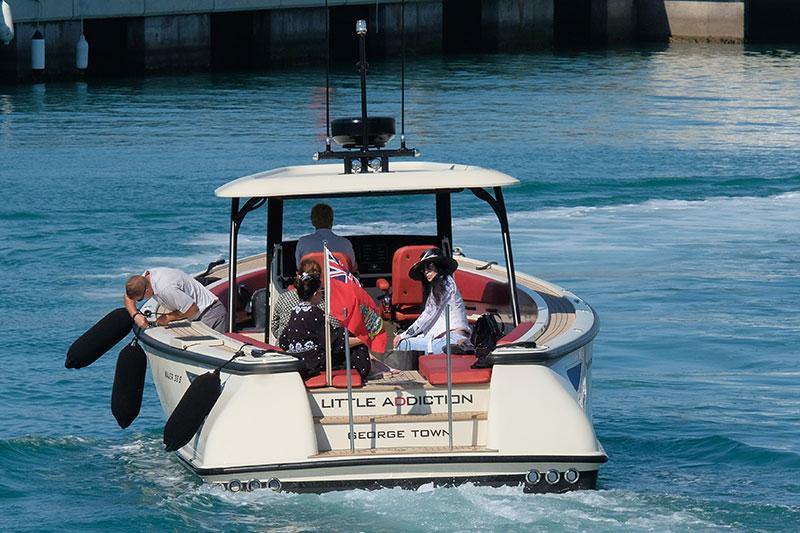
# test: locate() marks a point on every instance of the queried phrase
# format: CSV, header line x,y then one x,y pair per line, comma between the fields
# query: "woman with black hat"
x,y
428,332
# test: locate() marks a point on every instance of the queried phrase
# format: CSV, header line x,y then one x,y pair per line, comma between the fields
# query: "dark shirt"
x,y
282,312
304,337
305,330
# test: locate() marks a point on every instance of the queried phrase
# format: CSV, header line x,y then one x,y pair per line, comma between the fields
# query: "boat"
x,y
523,419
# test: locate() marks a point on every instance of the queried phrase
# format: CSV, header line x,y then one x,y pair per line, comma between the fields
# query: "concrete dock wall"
x,y
692,20
296,35
424,17
511,25
61,37
621,21
151,35
167,37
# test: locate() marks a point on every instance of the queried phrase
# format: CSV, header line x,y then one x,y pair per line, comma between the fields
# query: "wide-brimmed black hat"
x,y
446,265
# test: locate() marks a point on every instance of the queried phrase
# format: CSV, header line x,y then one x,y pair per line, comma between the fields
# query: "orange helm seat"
x,y
406,292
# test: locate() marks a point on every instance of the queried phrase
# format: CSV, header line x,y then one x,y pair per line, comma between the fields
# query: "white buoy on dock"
x,y
6,24
82,53
37,51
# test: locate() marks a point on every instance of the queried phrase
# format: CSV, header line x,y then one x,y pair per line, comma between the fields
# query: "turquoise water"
x,y
663,186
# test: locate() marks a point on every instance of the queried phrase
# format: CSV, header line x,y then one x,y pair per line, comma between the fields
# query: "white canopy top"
x,y
330,179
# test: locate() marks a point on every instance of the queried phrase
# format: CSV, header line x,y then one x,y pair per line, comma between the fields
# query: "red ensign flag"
x,y
363,318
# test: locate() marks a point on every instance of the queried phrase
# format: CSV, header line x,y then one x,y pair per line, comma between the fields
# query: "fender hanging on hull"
x,y
126,394
100,338
7,23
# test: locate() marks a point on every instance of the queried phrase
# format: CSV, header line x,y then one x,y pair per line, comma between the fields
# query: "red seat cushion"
x,y
515,334
477,288
434,369
339,380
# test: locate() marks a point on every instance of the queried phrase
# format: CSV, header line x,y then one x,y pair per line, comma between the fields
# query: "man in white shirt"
x,y
182,295
322,220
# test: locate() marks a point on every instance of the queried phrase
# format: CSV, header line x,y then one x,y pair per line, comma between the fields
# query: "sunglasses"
x,y
430,267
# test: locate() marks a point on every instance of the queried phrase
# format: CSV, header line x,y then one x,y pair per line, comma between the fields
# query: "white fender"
x,y
7,24
37,51
82,53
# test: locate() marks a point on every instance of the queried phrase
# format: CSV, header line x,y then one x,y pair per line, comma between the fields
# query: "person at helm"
x,y
322,220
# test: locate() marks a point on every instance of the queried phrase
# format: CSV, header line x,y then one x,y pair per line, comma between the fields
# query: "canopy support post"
x,y
274,236
499,207
237,216
232,251
444,220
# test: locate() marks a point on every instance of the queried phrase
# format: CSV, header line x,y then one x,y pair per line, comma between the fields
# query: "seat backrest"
x,y
257,306
477,288
406,291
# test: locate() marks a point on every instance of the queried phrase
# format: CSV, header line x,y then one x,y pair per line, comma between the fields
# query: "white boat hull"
x,y
267,429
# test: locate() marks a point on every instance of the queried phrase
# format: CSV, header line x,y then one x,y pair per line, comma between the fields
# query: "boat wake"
x,y
788,199
174,496
466,507
639,187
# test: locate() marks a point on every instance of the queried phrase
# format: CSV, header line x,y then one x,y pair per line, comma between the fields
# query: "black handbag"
x,y
488,329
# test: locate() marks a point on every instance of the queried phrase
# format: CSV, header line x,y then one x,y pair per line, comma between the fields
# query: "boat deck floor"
x,y
562,316
389,381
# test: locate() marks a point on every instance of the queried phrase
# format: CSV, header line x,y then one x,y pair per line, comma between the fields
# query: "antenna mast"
x,y
403,74
364,137
327,78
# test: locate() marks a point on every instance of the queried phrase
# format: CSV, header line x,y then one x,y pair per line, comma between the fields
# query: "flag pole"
x,y
347,366
328,357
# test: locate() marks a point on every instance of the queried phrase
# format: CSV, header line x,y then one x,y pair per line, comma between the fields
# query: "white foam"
x,y
189,263
610,233
101,295
220,240
85,276
467,507
581,237
737,203
383,227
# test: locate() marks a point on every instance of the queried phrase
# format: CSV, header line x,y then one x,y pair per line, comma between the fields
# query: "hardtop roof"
x,y
330,180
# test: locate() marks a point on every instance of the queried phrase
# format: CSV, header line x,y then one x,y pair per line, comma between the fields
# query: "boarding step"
x,y
385,401
393,431
406,450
